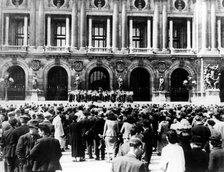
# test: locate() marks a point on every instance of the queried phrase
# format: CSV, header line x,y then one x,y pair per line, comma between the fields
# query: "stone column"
x,y
149,46
164,26
124,25
82,25
67,32
25,39
171,34
32,36
155,26
219,33
41,23
108,33
115,26
7,30
204,25
188,34
74,31
48,30
90,32
213,26
1,24
131,34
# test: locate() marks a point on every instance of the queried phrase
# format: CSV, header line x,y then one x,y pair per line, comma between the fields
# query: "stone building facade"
x,y
47,42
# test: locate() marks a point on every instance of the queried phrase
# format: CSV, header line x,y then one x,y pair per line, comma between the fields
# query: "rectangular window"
x,y
139,34
99,34
19,32
179,33
59,34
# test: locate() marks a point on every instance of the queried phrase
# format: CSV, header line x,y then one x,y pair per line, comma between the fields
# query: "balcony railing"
x,y
14,48
99,50
181,51
140,51
57,49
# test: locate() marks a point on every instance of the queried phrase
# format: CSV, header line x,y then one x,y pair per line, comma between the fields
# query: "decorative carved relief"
x,y
120,66
179,5
140,4
99,4
35,65
17,2
58,3
78,66
161,67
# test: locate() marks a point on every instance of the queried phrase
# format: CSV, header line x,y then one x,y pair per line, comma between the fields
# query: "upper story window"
x,y
19,32
179,32
99,34
17,2
139,33
59,33
18,29
58,3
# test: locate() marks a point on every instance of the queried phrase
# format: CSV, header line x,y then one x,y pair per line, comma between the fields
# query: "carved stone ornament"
x,y
161,67
35,65
17,2
99,3
78,66
120,66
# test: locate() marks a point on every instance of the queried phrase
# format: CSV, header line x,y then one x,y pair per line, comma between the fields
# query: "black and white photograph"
x,y
112,85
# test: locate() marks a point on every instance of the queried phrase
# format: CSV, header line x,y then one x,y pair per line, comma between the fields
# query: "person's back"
x,y
46,153
127,163
172,157
130,162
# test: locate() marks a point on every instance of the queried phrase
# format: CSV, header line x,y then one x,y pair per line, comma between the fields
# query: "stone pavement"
x,y
91,165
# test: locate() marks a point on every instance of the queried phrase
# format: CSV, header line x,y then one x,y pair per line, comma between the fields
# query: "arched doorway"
x,y
140,84
99,77
178,91
57,80
16,90
221,86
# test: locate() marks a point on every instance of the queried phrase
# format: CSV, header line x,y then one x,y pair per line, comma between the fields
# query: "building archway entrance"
x,y
178,91
16,89
57,84
99,78
140,84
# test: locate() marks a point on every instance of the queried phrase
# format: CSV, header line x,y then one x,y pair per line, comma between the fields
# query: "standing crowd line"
x,y
189,138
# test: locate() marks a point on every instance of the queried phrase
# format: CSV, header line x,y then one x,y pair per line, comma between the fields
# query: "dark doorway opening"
x,y
57,88
140,84
221,86
179,92
16,89
99,78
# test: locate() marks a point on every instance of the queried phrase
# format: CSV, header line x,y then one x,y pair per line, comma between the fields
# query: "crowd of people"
x,y
101,96
189,138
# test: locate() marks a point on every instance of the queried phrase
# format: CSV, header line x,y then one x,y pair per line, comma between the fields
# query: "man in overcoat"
x,y
46,153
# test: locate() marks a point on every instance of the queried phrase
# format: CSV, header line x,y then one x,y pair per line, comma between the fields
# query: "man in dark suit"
x,y
46,153
24,146
129,162
8,152
21,130
98,134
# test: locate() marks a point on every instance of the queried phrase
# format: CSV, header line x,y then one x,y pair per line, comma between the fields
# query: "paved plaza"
x,y
91,165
